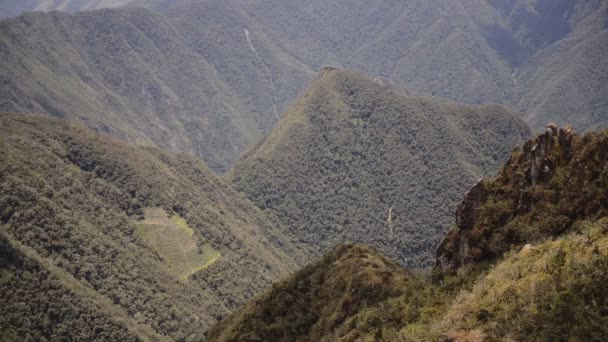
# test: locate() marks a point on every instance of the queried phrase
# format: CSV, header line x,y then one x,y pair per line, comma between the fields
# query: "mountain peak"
x,y
327,293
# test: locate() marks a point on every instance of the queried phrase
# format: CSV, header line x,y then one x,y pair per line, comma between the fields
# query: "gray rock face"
x,y
467,211
458,239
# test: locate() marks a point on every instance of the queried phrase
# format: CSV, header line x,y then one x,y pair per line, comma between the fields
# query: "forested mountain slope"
x,y
524,54
127,72
211,77
545,216
352,160
94,232
189,80
10,8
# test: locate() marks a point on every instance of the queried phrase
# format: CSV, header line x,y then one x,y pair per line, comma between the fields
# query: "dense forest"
x,y
71,201
287,170
353,160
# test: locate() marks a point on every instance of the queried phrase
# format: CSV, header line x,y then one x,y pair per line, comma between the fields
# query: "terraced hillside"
x,y
176,243
353,160
71,201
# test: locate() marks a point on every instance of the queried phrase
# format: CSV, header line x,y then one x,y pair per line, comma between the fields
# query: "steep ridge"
x,y
547,185
353,160
71,207
524,53
265,76
415,43
550,284
315,303
566,81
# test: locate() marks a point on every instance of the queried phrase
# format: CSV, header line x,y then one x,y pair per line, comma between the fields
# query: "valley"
x,y
282,170
215,96
86,209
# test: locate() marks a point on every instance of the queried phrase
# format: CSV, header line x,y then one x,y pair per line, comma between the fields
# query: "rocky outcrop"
x,y
546,184
457,241
468,210
538,152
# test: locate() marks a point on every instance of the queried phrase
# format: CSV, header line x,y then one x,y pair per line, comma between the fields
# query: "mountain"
x,y
525,54
126,72
353,160
106,240
565,81
315,303
211,77
547,283
11,8
170,80
266,77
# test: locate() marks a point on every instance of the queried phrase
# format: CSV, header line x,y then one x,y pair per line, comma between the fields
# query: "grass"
x,y
553,290
174,240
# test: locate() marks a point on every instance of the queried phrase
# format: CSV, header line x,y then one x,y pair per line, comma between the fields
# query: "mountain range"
x,y
281,170
212,77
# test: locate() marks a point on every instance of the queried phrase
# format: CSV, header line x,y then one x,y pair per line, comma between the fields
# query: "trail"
x,y
268,73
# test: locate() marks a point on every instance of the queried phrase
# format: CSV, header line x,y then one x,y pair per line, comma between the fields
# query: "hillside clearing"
x,y
175,242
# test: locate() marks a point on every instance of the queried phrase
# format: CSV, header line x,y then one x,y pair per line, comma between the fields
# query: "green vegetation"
x,y
212,77
547,186
543,58
124,72
70,204
335,298
355,161
40,301
553,291
102,240
553,288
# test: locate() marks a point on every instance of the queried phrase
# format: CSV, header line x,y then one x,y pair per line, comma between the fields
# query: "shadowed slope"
x,y
126,72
